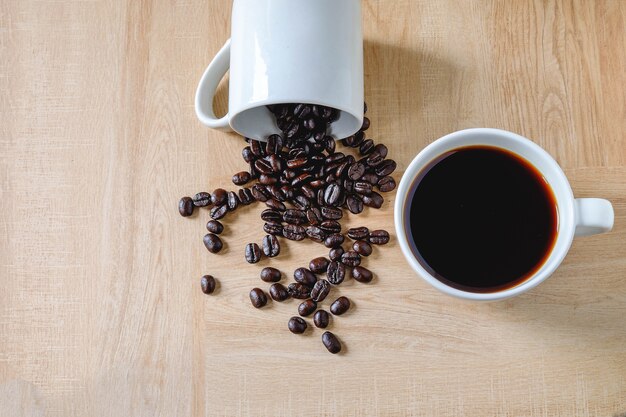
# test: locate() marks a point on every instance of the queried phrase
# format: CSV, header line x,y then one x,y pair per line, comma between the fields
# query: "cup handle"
x,y
593,216
206,90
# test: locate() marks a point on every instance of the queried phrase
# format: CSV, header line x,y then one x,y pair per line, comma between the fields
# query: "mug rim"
x,y
432,151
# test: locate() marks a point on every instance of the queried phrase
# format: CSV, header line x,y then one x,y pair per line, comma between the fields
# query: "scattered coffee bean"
x,y
294,216
331,213
260,193
351,258
336,272
356,171
362,274
355,204
363,187
219,196
378,237
374,200
273,228
386,184
278,292
214,226
316,234
296,325
366,124
335,254
332,195
212,242
340,306
258,298
271,247
202,199
275,204
366,147
219,212
270,274
304,276
321,319
331,342
358,233
362,248
271,215
241,178
207,283
232,201
252,253
334,240
185,206
300,291
385,168
294,232
307,307
330,226
320,290
318,265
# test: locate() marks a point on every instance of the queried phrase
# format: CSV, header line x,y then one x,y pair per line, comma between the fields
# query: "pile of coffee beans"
x,y
306,184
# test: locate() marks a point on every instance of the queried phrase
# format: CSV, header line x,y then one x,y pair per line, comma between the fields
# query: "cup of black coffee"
x,y
485,214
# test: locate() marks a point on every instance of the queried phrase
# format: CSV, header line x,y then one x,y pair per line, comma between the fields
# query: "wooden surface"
x,y
101,312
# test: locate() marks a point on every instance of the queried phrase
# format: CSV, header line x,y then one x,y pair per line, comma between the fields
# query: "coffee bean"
x,y
362,248
185,206
269,274
320,198
258,298
275,162
385,168
373,200
247,154
271,247
374,158
212,242
386,184
270,215
314,216
274,144
319,265
320,290
219,212
297,325
337,156
252,170
245,196
241,178
278,292
359,137
292,216
214,226
358,233
378,237
275,204
335,254
301,203
355,204
351,258
294,232
315,233
366,124
331,213
308,192
252,253
370,177
366,147
334,240
300,291
207,283
331,342
342,169
330,226
307,307
257,147
363,187
267,179
277,193
304,276
202,199
260,193
340,306
232,201
297,162
329,144
356,171
381,149
362,274
302,110
273,228
321,319
332,195
219,196
336,272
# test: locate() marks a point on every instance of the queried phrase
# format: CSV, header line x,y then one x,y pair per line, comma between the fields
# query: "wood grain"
x,y
100,308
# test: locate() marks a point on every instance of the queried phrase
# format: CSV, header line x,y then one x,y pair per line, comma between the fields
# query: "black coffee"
x,y
481,219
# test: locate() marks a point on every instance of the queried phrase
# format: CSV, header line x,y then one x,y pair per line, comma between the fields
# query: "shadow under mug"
x,y
576,216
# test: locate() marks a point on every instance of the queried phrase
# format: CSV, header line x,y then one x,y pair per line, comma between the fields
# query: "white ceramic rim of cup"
x,y
555,178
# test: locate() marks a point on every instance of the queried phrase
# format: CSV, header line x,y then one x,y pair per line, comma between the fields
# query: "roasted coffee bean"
x,y
232,201
257,147
263,166
271,247
278,292
355,204
330,226
296,325
277,193
334,240
319,265
337,156
358,233
329,144
320,197
332,195
335,254
291,130
301,203
362,248
267,179
321,319
299,291
314,216
362,274
258,297
308,192
309,124
381,149
202,199
370,177
185,206
297,162
247,154
292,216
385,168
299,152
366,124
316,183
218,212
301,179
245,196
366,147
374,158
275,162
351,258
322,112
270,215
320,290
336,272
273,228
207,283
275,204
294,232
356,171
252,170
241,178
260,193
363,187
219,196
287,192
307,307
386,184
290,174
348,186
374,200
331,213
340,306
379,237
315,233
214,226
304,276
331,342
274,144
342,169
269,274
212,242
252,253
302,110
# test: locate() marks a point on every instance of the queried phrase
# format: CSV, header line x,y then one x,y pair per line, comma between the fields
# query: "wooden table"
x,y
101,312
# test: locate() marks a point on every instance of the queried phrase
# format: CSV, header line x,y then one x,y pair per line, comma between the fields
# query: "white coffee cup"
x,y
287,51
576,216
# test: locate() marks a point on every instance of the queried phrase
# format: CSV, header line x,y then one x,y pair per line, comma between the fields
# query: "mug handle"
x,y
593,216
206,90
